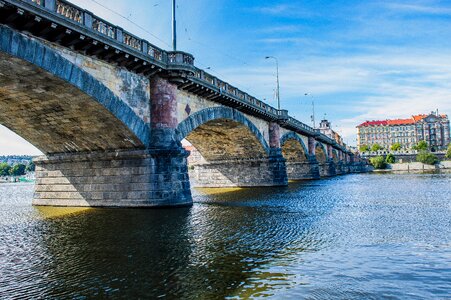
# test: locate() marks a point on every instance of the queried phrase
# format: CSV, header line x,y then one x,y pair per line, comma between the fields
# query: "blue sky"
x,y
359,60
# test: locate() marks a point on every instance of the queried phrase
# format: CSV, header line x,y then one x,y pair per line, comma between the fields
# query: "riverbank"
x,y
417,167
14,179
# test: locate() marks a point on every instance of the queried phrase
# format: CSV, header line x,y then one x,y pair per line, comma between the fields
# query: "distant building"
x,y
326,129
433,128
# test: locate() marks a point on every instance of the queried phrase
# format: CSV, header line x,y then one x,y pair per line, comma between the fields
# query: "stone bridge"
x,y
109,111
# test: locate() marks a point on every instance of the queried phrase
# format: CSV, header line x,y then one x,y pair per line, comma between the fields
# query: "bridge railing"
x,y
98,25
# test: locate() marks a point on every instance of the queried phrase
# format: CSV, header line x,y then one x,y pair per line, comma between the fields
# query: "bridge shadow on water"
x,y
223,246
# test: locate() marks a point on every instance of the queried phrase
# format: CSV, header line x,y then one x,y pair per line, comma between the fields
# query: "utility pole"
x,y
174,26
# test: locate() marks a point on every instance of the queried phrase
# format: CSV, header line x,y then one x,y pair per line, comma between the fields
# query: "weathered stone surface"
x,y
56,105
131,88
327,169
244,173
108,179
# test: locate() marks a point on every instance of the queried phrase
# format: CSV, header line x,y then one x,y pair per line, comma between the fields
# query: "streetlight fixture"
x,y
278,86
313,110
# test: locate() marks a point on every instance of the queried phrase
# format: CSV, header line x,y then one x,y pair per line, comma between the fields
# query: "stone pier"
x,y
303,170
139,178
247,173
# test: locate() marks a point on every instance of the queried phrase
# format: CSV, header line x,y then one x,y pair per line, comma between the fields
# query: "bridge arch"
x,y
57,106
221,133
320,153
335,156
293,147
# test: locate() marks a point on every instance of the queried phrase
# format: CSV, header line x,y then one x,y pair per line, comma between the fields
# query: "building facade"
x,y
433,128
325,128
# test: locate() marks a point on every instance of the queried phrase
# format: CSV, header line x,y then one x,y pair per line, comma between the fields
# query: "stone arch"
x,y
320,153
335,156
221,133
63,108
293,147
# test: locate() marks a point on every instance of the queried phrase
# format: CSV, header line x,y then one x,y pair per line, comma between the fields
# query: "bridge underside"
x,y
54,115
299,164
232,156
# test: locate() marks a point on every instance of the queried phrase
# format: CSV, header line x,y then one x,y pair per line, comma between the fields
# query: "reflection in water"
x,y
359,236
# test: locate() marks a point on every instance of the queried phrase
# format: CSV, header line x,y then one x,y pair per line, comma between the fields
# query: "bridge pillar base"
x,y
138,178
302,170
341,168
241,173
327,169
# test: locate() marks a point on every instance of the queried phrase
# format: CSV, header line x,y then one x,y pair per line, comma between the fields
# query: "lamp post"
x,y
313,109
174,27
278,86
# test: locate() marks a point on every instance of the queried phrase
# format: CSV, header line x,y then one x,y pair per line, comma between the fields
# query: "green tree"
x,y
396,147
390,159
427,158
376,147
17,170
30,167
4,169
378,162
364,148
421,146
448,152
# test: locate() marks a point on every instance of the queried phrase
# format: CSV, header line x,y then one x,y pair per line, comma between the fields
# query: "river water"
x,y
351,237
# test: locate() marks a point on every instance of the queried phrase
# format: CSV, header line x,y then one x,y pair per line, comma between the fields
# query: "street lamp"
x,y
313,109
278,86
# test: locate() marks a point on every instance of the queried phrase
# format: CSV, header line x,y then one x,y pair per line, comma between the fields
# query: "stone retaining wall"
x,y
419,167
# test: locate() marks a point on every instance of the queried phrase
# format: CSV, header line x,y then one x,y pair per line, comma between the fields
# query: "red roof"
x,y
401,122
373,123
410,121
417,118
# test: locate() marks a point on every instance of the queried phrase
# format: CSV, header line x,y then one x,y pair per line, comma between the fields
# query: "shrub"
x,y
390,159
17,170
30,167
364,148
421,146
427,158
448,152
396,147
376,147
4,169
378,162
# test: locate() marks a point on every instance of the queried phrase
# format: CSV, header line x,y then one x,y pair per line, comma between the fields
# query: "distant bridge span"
x,y
109,111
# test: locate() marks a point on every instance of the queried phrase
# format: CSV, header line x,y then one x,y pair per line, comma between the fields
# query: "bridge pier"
x,y
269,171
136,178
303,170
327,169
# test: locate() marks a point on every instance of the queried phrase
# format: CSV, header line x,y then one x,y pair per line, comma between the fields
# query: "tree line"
x,y
421,146
16,170
380,162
